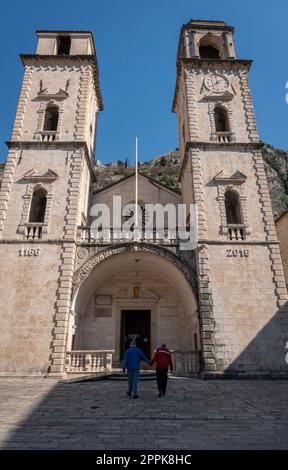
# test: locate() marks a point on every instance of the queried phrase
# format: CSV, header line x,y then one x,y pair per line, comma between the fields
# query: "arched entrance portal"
x,y
134,294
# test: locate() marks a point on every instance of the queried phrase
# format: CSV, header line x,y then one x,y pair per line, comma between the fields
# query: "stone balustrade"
x,y
33,230
236,232
101,361
86,235
186,361
48,136
89,361
224,137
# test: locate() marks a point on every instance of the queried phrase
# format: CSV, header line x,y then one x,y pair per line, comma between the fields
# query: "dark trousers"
x,y
162,376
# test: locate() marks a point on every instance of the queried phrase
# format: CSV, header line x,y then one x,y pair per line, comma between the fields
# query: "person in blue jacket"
x,y
132,360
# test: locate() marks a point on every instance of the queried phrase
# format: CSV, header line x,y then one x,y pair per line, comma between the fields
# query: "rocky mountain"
x,y
276,165
165,169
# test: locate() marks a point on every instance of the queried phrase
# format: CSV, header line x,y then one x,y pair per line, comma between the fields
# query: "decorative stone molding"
x,y
6,185
211,92
233,183
248,106
66,63
85,270
146,294
82,102
206,316
198,191
74,193
191,104
68,257
60,95
270,230
21,109
82,253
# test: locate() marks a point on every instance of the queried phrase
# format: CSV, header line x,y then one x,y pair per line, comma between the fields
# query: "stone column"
x,y
229,43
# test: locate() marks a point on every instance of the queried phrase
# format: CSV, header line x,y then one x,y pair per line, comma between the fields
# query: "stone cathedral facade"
x,y
71,303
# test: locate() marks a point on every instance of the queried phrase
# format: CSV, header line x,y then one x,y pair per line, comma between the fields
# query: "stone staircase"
x,y
114,374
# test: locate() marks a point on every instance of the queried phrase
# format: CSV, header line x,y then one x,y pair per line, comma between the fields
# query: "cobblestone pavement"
x,y
195,414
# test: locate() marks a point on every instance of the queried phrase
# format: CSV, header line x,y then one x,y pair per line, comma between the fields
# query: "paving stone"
x,y
195,414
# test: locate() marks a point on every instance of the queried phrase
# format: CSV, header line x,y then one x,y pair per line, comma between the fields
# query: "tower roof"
x,y
207,24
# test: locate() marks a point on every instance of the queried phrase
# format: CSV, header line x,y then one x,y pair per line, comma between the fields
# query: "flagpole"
x,y
136,185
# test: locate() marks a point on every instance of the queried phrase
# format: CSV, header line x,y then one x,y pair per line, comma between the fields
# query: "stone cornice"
x,y
200,63
217,147
64,145
206,24
238,242
37,59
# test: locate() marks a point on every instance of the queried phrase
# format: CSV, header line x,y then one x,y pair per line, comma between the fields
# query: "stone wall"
x,y
28,287
282,231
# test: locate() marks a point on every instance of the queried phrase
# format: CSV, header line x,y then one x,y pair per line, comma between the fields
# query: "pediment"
x,y
29,173
126,294
32,175
235,178
226,96
59,95
146,185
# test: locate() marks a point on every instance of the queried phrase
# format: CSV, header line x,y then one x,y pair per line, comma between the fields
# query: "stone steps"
x,y
115,375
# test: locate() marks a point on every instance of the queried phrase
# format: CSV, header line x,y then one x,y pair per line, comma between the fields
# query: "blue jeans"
x,y
133,375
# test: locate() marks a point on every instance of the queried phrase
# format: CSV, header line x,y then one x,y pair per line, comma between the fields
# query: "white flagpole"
x,y
136,186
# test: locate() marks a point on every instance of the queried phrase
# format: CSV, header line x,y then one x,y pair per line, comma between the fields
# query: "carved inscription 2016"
x,y
233,253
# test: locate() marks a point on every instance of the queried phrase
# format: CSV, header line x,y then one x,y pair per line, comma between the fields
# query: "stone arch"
x,y
165,267
38,205
31,189
233,207
51,117
85,270
211,46
221,118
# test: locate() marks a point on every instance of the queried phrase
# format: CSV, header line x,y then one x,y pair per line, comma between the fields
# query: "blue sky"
x,y
136,42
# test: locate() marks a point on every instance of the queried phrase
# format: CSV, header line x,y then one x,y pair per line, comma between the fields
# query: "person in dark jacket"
x,y
163,359
132,360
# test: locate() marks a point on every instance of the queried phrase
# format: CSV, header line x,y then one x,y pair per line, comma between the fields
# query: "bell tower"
x,y
44,197
241,288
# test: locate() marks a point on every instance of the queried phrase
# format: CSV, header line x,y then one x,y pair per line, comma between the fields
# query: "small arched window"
x,y
51,118
233,209
209,47
38,206
221,119
236,229
209,52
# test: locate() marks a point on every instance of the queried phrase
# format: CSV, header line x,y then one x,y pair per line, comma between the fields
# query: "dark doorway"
x,y
135,324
